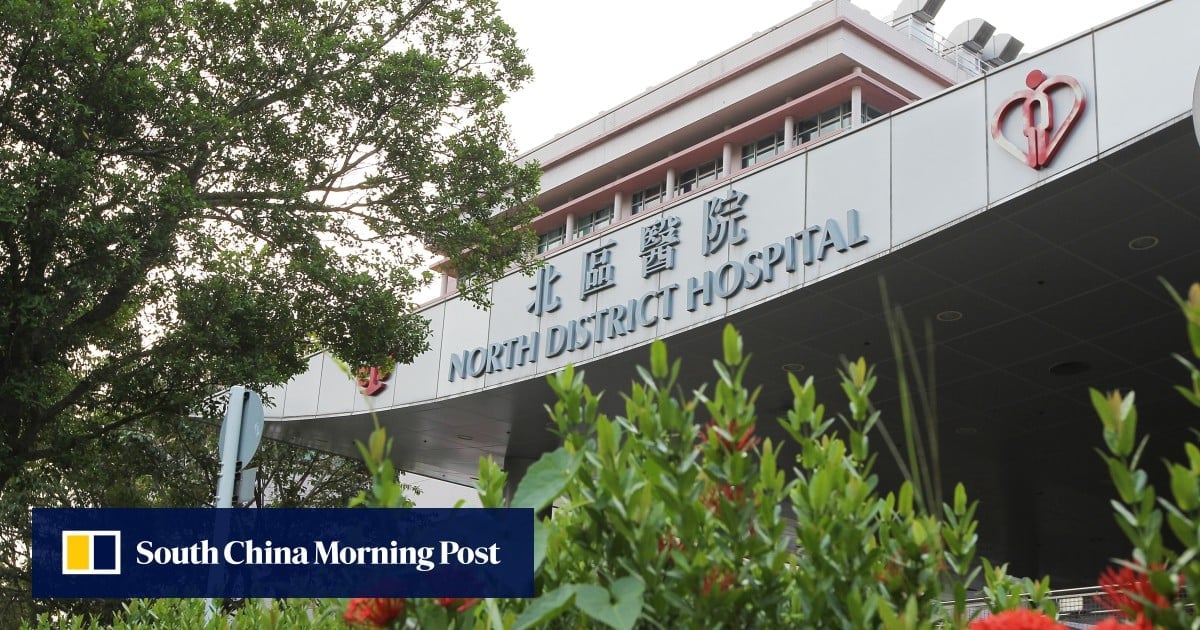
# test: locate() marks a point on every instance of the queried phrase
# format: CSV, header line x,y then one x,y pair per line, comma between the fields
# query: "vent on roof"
x,y
1002,49
972,34
924,10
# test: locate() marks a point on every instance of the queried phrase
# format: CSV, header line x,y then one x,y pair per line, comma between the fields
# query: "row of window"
x,y
584,225
833,119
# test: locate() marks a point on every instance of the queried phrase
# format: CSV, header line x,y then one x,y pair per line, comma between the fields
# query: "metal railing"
x,y
1077,607
970,62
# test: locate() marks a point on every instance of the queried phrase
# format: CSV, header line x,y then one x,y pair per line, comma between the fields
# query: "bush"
x,y
672,514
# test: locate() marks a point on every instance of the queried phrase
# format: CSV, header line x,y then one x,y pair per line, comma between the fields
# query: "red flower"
x,y
1019,619
448,602
1112,623
1129,590
712,497
737,444
378,612
717,579
668,542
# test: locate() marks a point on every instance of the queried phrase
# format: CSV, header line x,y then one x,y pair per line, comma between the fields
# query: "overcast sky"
x,y
589,57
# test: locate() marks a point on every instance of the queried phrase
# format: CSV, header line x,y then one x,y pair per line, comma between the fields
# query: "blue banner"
x,y
282,552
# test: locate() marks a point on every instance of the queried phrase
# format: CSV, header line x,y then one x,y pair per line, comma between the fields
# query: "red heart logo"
x,y
1037,109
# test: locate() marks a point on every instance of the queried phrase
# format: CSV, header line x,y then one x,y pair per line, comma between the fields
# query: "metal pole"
x,y
229,455
233,434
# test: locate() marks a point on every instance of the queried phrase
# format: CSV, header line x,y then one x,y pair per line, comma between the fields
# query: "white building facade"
x,y
1025,206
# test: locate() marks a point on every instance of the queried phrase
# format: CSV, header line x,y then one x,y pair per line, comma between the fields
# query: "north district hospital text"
x,y
806,247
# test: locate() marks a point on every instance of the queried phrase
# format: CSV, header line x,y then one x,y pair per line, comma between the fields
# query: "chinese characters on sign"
x,y
744,270
722,216
544,300
658,245
598,271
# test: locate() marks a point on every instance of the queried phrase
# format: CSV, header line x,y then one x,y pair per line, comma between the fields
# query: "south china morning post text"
x,y
470,552
239,552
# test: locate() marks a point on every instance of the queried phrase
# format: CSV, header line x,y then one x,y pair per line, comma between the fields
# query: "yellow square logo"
x,y
91,552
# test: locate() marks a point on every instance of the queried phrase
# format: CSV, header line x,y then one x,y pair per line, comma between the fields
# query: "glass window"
x,y
870,113
765,148
806,131
699,177
593,221
827,122
648,198
552,239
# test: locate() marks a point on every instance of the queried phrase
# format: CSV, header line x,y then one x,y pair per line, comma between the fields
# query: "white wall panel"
x,y
1008,175
939,162
852,172
1142,67
509,321
570,265
418,380
303,390
774,211
691,262
465,327
631,285
338,390
277,394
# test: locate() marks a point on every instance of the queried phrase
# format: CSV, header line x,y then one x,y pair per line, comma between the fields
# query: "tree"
x,y
162,462
195,194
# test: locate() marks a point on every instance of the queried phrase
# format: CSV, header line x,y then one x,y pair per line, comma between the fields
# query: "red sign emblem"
x,y
1037,111
371,380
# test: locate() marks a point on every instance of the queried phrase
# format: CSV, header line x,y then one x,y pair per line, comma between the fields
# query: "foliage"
x,y
170,614
1159,584
198,193
164,463
673,513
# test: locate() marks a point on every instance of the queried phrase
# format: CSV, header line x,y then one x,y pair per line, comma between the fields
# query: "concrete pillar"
x,y
856,107
670,184
789,131
570,232
727,159
618,206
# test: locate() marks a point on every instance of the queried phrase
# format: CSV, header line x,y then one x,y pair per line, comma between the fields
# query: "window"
x,y
765,148
552,239
870,113
593,221
806,131
835,119
648,198
829,121
698,177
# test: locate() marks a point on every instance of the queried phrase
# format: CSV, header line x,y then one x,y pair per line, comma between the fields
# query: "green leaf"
x,y
658,359
546,607
617,608
541,537
546,479
904,505
1121,479
1185,486
918,532
1163,583
732,343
